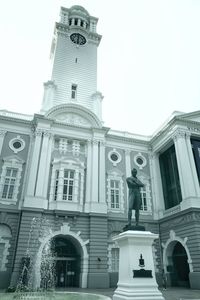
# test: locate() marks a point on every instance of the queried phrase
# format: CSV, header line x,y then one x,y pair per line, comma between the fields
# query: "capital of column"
x,y
102,143
38,132
47,133
95,141
127,152
178,134
152,155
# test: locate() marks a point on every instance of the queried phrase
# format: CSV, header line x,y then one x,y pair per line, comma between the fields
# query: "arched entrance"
x,y
67,261
80,254
178,267
180,264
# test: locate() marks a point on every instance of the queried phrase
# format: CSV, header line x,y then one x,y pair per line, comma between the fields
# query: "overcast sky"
x,y
148,59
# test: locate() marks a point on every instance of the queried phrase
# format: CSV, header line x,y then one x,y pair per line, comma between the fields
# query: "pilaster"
x,y
95,170
158,199
43,165
34,163
2,135
102,191
88,175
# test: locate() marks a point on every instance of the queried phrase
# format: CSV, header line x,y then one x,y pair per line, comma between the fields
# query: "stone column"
x,y
2,135
192,163
102,169
60,184
95,173
188,187
34,163
48,164
128,174
88,176
43,165
157,194
102,178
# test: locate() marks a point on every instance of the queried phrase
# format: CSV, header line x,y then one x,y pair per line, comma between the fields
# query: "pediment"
x,y
14,159
72,119
73,114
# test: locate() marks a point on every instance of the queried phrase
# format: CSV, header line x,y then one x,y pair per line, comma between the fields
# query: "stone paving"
x,y
168,294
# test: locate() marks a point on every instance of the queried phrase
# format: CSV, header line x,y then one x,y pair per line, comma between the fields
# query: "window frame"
x,y
74,91
115,176
12,162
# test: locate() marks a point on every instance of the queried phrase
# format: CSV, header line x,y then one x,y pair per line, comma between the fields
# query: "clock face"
x,y
78,39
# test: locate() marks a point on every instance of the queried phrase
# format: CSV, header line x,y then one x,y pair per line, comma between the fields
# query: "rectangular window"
x,y
114,193
144,199
73,91
9,183
170,178
68,185
196,153
56,186
115,259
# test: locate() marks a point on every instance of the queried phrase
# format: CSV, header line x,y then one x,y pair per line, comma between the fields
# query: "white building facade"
x,y
63,178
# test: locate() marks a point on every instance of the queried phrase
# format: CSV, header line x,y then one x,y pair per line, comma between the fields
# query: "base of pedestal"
x,y
141,292
136,266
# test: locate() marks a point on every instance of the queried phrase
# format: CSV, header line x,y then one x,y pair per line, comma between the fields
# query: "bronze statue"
x,y
134,198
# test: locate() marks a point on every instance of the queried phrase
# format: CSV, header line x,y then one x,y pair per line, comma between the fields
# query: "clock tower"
x,y
74,63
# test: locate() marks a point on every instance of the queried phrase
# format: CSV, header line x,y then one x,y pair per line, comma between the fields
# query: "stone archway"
x,y
176,260
64,231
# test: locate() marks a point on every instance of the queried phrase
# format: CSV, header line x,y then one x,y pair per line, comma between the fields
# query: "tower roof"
x,y
79,8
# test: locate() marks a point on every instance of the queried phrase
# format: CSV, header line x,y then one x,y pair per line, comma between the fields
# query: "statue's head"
x,y
134,172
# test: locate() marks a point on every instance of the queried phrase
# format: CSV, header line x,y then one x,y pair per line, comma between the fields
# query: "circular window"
x,y
140,161
17,144
114,157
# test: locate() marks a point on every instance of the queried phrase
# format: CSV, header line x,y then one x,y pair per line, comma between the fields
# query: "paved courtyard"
x,y
169,294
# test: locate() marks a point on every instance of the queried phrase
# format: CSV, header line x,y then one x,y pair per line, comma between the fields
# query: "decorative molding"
x,y
11,162
142,158
178,134
38,132
178,221
19,140
5,236
64,230
2,133
168,248
114,157
194,129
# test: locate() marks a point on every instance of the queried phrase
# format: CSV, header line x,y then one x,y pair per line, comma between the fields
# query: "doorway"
x,y
67,262
179,268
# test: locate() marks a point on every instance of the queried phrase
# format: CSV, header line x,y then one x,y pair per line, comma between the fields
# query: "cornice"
x,y
177,120
126,139
16,120
180,218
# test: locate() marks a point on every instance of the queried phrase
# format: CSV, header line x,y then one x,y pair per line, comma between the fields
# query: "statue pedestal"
x,y
136,267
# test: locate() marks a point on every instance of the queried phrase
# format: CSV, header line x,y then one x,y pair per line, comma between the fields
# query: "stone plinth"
x,y
135,245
